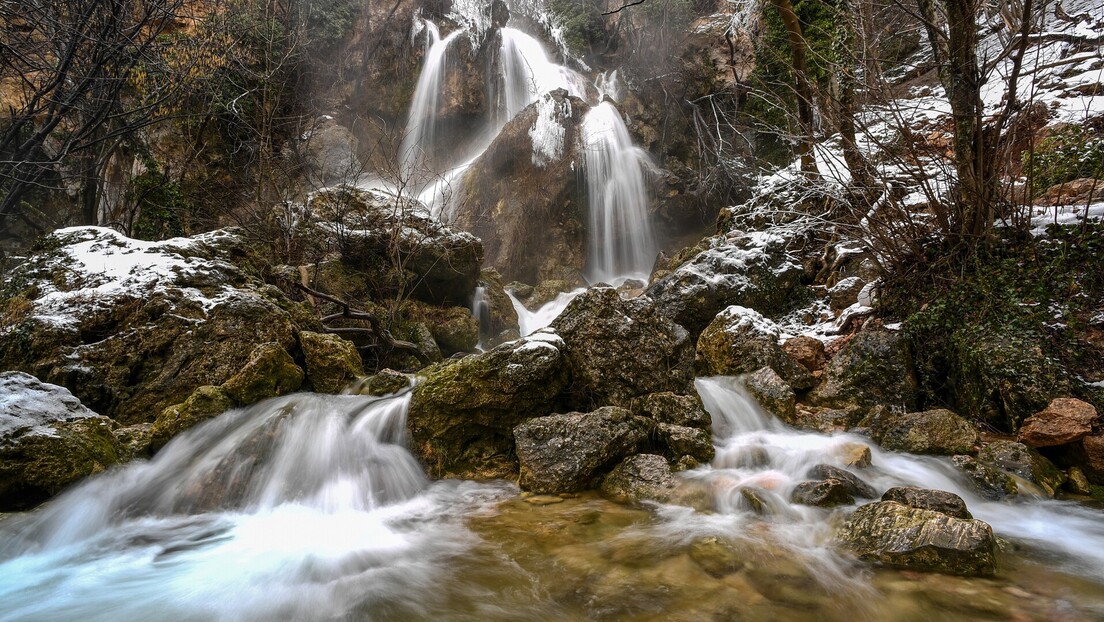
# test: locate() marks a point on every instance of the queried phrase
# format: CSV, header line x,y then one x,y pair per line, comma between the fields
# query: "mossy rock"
x,y
270,372
938,431
874,368
332,362
386,382
741,341
1025,463
454,329
203,404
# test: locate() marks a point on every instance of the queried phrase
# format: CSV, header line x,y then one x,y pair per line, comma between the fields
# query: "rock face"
x,y
463,412
133,327
332,362
899,536
620,348
806,351
1065,420
751,271
938,431
397,243
521,196
331,153
642,477
935,500
739,341
565,453
48,440
874,368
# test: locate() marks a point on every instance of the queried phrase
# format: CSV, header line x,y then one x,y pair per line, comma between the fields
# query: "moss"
x,y
332,362
1071,152
270,372
204,403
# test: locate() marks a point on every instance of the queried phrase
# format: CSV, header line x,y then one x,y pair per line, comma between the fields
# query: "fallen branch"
x,y
624,6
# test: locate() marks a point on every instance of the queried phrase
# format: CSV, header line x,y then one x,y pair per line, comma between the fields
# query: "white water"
x,y
621,239
418,151
302,507
530,322
756,450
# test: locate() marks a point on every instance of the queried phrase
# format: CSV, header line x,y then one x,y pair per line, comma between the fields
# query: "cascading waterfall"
x,y
621,240
419,144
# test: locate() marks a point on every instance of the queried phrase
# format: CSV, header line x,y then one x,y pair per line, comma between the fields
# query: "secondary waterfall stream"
x,y
309,507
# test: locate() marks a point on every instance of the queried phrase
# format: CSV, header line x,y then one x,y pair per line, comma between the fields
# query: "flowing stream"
x,y
309,507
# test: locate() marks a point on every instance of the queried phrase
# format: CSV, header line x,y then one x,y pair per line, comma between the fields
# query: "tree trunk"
x,y
798,51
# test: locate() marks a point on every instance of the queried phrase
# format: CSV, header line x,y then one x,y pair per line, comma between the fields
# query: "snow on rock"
x,y
548,131
28,406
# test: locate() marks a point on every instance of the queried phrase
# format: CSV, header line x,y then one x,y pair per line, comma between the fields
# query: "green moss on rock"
x,y
332,362
270,372
204,403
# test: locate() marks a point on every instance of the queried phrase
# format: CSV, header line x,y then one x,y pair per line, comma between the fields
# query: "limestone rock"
x,y
619,349
772,393
332,362
48,440
1077,483
1092,448
641,477
740,341
270,372
685,441
463,412
826,420
990,482
1065,420
808,351
668,407
874,368
453,328
717,556
938,431
899,536
203,404
386,382
566,453
925,499
824,493
853,484
1023,462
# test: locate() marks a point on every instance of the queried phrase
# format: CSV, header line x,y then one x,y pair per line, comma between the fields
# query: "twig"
x,y
377,329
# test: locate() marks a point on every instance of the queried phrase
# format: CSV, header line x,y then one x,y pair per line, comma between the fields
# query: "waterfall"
x,y
621,240
526,74
418,151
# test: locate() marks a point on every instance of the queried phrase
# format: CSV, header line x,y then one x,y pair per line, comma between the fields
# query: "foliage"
x,y
1071,152
161,205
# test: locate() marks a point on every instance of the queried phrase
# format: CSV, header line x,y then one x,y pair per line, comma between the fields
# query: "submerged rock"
x,y
874,368
567,453
48,440
332,362
740,341
853,484
463,412
938,431
990,482
899,536
717,556
925,499
1065,420
642,477
619,349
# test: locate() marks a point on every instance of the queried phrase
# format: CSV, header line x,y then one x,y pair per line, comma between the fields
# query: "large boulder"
x,y
752,271
1023,462
989,481
641,477
620,348
566,453
521,197
938,431
925,499
463,412
874,368
204,403
668,407
740,341
454,329
396,243
772,393
48,440
332,362
896,535
133,327
270,372
1065,420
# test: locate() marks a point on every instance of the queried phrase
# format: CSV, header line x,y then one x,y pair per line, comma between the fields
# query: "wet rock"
x,y
540,500
566,453
875,367
753,272
717,556
619,349
755,499
825,493
1077,483
133,327
855,455
524,208
642,477
453,328
332,362
938,431
845,293
1023,462
853,484
1092,458
740,341
48,440
1065,420
203,404
826,420
808,351
899,536
331,153
463,412
668,407
772,393
386,382
499,322
270,372
990,482
925,499
685,441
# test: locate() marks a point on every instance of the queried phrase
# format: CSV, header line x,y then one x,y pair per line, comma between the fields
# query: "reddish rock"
x,y
1065,420
806,350
1093,464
